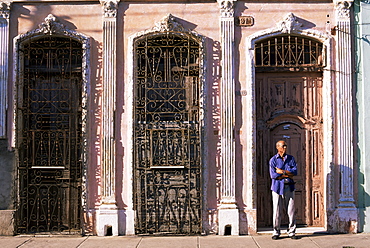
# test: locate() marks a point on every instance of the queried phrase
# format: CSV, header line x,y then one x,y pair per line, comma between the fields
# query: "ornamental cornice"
x,y
289,24
168,24
226,7
110,7
343,8
51,26
5,9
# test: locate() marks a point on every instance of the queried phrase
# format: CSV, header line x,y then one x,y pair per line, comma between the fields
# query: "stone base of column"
x,y
228,219
347,220
107,220
126,222
7,222
342,220
248,221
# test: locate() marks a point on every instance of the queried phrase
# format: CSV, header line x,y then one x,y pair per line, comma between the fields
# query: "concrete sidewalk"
x,y
212,241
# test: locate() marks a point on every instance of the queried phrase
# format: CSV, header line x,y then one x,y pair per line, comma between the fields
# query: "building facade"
x,y
143,117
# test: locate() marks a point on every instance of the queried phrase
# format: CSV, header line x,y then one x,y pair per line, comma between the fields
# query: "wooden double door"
x,y
289,107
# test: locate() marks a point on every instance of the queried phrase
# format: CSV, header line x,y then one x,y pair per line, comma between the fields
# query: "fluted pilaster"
x,y
344,105
4,53
107,215
109,100
228,212
227,102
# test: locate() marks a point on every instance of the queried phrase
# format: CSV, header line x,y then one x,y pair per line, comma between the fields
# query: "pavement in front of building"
x,y
211,241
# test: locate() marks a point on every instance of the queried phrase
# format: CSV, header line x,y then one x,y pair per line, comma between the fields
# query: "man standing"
x,y
282,169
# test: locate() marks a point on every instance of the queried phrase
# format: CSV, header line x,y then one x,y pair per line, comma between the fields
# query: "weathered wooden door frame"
x,y
249,128
300,116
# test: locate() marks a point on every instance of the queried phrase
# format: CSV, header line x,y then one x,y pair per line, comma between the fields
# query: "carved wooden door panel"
x,y
289,108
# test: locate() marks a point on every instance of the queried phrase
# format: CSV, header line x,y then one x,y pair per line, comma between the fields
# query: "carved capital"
x,y
110,7
289,24
226,7
343,8
5,9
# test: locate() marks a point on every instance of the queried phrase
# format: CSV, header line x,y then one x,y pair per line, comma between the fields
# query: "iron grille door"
x,y
49,136
167,161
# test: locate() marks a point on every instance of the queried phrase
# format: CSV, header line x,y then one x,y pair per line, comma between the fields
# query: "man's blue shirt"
x,y
286,162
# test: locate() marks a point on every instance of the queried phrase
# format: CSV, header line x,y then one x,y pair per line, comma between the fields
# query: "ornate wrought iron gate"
x,y
49,136
167,160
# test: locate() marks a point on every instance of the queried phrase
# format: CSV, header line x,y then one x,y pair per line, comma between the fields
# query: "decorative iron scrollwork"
x,y
50,136
291,52
167,134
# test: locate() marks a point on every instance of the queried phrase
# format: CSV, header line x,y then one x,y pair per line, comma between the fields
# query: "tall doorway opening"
x,y
49,135
289,107
167,134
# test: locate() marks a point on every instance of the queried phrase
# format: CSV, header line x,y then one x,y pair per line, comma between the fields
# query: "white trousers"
x,y
279,203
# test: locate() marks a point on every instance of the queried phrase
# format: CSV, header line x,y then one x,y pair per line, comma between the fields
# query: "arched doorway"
x,y
289,107
49,135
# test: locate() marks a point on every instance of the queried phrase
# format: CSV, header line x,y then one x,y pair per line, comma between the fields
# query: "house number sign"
x,y
245,21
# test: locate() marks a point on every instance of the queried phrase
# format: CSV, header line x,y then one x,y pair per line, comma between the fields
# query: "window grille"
x,y
289,52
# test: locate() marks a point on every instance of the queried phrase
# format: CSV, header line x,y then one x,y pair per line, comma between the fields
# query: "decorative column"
x,y
228,213
347,211
4,53
107,220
